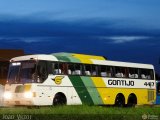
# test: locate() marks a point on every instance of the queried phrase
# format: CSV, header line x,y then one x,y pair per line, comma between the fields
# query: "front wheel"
x,y
59,99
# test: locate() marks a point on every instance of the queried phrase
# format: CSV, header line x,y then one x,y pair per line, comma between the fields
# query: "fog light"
x,y
28,94
7,95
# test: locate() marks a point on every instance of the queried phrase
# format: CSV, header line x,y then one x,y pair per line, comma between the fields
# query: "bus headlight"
x,y
7,95
28,94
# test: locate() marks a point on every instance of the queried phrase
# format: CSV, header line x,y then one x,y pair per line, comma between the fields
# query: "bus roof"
x,y
81,58
35,57
122,64
64,57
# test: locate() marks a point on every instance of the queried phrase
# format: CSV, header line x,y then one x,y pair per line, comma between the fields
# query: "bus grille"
x,y
150,95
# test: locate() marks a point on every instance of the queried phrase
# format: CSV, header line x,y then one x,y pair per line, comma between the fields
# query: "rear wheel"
x,y
132,100
59,99
120,101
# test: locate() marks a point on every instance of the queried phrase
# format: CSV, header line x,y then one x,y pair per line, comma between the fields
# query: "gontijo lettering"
x,y
121,82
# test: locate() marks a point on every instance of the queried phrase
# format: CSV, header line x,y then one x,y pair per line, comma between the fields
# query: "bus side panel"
x,y
46,92
81,89
91,88
101,88
141,94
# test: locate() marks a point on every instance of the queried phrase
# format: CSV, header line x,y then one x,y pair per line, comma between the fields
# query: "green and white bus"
x,y
75,79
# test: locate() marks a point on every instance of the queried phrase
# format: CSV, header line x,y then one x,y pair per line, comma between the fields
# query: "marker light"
x,y
16,64
28,94
7,95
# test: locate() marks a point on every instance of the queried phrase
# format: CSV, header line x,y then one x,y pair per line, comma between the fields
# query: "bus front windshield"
x,y
22,72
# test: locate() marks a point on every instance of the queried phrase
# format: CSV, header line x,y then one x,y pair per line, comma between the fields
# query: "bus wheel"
x,y
59,99
132,100
120,100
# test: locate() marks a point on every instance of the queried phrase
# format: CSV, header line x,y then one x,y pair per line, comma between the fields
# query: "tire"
x,y
59,99
132,100
120,101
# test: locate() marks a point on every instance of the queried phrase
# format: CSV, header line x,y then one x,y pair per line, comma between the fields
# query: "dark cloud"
x,y
21,27
82,36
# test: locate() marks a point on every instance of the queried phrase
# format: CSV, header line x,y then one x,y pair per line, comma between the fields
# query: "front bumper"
x,y
18,99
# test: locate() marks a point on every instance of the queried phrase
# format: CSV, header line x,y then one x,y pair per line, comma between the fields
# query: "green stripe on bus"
x,y
81,90
61,58
92,90
66,57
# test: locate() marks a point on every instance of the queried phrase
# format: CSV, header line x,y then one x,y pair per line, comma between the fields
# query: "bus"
x,y
77,79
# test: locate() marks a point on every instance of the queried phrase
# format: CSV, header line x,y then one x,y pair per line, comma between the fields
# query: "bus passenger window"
x,y
63,68
103,71
119,72
70,69
123,72
42,71
69,72
133,73
150,75
109,71
143,73
94,70
55,68
146,74
87,70
77,70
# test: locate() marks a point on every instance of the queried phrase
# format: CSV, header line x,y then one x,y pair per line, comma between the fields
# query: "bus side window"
x,y
103,71
119,72
63,67
94,70
146,74
149,74
133,73
109,71
42,71
124,73
50,68
71,69
112,70
143,73
55,67
77,69
152,74
87,70
136,72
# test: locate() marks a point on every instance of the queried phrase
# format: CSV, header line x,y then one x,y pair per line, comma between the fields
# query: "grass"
x,y
84,111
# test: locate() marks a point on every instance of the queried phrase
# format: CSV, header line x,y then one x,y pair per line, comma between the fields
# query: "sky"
x,y
121,30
